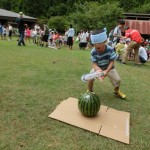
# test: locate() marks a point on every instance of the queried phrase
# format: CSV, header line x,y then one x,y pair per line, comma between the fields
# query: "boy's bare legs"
x,y
90,85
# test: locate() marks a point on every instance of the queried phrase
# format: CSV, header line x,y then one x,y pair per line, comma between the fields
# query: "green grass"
x,y
34,80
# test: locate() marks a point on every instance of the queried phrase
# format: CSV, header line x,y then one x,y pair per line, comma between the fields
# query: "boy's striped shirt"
x,y
103,59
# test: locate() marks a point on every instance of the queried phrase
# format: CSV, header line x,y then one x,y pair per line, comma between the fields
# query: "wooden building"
x,y
10,17
140,22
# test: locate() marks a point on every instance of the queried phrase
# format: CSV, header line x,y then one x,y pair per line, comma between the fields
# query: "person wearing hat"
x,y
103,57
21,28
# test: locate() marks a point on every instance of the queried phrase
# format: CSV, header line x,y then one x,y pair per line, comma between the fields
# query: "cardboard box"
x,y
109,122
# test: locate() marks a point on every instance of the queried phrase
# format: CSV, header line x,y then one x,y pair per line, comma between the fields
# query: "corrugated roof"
x,y
142,26
137,16
6,13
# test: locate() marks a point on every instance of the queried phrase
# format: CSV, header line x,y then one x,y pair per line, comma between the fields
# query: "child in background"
x,y
1,31
142,53
120,48
55,38
127,42
50,41
28,34
60,40
33,35
50,37
65,37
25,33
110,43
4,32
131,54
148,50
103,57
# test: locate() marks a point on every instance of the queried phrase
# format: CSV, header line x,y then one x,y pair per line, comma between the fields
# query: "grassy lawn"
x,y
34,80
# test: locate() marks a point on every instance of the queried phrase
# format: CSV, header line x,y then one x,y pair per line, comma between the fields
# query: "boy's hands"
x,y
105,74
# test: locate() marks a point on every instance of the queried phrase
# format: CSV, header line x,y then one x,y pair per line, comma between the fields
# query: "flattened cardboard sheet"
x,y
109,122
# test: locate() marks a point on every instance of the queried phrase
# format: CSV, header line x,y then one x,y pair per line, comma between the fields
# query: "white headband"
x,y
98,38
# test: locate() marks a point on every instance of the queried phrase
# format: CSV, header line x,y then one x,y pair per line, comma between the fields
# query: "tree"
x,y
145,8
128,5
84,14
59,23
93,15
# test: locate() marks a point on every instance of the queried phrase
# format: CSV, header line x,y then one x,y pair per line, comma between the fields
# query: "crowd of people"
x,y
126,42
5,30
120,44
129,44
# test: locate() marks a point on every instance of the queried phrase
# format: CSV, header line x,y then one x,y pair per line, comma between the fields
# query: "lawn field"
x,y
34,80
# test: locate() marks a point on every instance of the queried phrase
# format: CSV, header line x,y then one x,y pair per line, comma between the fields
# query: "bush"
x,y
94,15
60,23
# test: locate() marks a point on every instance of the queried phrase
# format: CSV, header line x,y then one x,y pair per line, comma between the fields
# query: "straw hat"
x,y
21,13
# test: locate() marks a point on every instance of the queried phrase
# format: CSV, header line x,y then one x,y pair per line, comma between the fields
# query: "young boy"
x,y
120,49
103,57
118,31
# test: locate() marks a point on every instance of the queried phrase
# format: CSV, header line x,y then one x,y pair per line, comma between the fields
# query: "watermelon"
x,y
89,104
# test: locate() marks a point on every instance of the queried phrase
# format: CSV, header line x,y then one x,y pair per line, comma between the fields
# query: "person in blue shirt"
x,y
103,57
1,31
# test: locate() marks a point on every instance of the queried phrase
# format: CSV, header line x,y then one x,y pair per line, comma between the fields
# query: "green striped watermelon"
x,y
89,104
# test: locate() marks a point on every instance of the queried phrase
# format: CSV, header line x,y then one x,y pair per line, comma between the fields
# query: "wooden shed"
x,y
10,17
140,22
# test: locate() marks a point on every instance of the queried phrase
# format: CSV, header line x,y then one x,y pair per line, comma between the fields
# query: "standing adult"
x,y
21,28
37,31
135,44
83,40
45,36
71,33
10,28
65,37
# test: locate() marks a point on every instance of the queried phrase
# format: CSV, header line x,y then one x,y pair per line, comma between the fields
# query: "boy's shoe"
x,y
120,94
138,65
123,63
91,91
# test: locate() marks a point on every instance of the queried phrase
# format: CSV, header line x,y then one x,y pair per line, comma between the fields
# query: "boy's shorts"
x,y
113,77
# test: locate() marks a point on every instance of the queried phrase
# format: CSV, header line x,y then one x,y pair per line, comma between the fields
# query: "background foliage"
x,y
83,14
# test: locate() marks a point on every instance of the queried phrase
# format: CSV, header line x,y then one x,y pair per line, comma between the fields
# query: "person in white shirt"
x,y
65,37
117,31
10,29
83,40
37,27
142,54
71,33
33,35
4,32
